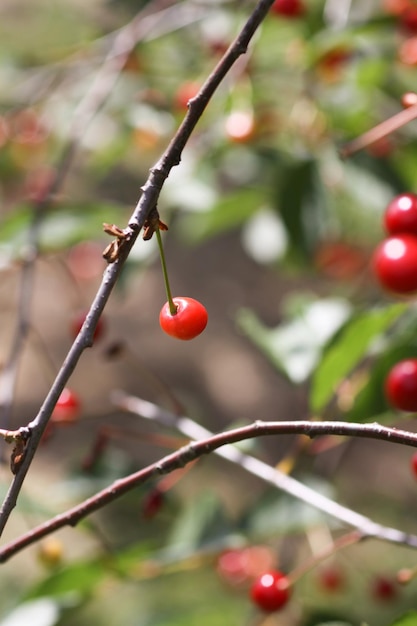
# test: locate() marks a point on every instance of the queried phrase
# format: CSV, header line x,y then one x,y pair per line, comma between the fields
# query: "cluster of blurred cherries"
x,y
395,266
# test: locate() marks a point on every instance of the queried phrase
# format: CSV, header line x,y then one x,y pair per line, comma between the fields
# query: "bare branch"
x,y
148,200
270,474
379,132
204,442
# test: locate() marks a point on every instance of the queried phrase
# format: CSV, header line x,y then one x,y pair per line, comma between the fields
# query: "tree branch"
x,y
150,20
147,202
206,442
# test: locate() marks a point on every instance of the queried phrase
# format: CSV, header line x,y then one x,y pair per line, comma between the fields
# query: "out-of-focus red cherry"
x,y
67,409
78,322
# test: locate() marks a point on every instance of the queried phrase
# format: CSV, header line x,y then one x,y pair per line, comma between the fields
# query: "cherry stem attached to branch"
x,y
171,303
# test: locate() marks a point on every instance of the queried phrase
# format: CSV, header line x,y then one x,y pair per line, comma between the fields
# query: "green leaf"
x,y
15,222
229,212
345,352
81,577
296,200
409,619
201,521
333,623
295,347
61,227
129,558
283,513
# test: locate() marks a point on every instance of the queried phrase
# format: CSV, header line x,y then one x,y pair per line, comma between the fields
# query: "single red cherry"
x,y
408,20
79,320
185,93
231,566
407,51
67,408
401,215
381,148
330,65
340,260
238,565
153,503
189,320
331,579
384,588
401,385
288,8
271,591
395,263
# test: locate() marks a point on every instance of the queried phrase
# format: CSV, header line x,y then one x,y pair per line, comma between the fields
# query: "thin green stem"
x,y
171,303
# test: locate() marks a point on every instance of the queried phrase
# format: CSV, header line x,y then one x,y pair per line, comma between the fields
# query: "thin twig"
x,y
204,442
273,476
146,203
150,21
346,540
379,132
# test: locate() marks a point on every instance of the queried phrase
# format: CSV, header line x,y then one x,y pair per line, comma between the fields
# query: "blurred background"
x,y
273,232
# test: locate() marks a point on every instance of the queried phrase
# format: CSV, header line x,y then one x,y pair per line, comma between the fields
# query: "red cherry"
x,y
153,503
185,93
401,215
189,321
381,148
67,408
236,566
383,588
331,579
408,19
401,385
79,320
271,591
395,263
288,8
258,559
340,260
407,52
335,57
330,64
231,566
